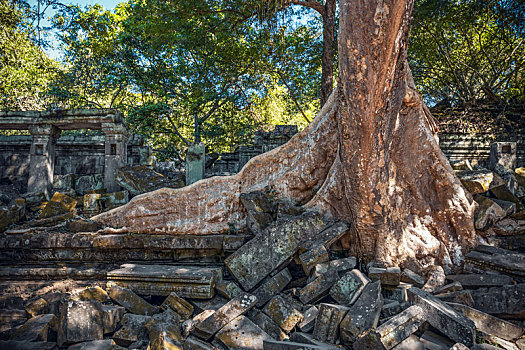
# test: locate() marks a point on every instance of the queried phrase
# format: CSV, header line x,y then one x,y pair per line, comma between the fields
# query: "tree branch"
x,y
311,4
177,130
293,96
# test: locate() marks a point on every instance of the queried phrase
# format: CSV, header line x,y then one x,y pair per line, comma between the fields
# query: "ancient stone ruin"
x,y
288,282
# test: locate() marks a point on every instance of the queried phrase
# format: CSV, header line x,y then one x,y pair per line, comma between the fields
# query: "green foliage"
x,y
93,74
188,70
466,52
25,70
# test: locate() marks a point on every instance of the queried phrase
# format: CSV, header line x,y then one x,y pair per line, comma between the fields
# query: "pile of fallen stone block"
x,y
500,196
287,288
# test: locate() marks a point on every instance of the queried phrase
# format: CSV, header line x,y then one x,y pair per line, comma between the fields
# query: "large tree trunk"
x,y
370,158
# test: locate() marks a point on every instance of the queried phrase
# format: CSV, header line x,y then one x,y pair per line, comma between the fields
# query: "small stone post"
x,y
195,160
42,158
503,153
115,153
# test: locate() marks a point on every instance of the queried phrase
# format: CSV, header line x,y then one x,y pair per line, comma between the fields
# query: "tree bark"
x,y
371,158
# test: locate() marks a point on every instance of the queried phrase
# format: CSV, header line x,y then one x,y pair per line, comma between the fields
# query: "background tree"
x,y
327,11
25,70
468,52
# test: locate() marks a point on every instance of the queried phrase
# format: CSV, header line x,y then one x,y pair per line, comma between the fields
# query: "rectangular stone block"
x,y
308,322
228,289
314,256
186,281
461,297
288,345
131,301
265,323
133,329
327,322
476,280
443,317
182,307
283,313
390,276
272,286
398,293
308,339
38,328
111,317
318,288
410,277
193,343
241,333
363,314
432,340
277,243
234,308
339,265
80,321
391,309
347,289
506,301
393,331
490,324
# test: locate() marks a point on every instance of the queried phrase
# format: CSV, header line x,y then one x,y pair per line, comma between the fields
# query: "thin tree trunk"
x,y
370,158
327,60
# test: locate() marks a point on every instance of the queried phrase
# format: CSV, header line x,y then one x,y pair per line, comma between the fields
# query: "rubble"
x,y
287,286
142,178
394,331
443,317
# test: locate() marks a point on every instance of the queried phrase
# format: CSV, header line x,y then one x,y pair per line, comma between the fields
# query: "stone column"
x,y
195,161
42,158
115,153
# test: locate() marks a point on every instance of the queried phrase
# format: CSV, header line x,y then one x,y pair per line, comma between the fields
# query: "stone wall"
x,y
75,154
231,163
476,147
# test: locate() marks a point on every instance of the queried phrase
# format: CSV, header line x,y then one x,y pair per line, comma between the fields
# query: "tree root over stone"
x,y
370,158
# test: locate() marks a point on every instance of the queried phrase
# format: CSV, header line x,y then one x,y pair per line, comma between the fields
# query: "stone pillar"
x,y
502,153
42,158
195,160
115,153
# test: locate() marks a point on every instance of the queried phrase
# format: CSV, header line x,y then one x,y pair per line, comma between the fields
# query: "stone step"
x,y
41,246
186,281
39,273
